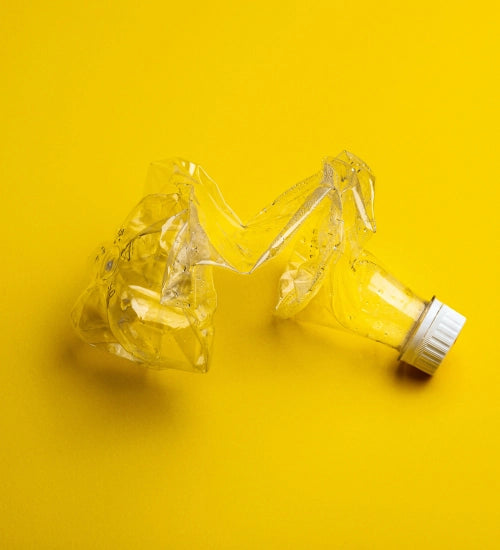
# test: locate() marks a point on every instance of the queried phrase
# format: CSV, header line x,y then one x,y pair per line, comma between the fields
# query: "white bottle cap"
x,y
434,334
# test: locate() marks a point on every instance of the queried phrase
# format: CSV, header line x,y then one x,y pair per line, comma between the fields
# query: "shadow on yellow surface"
x,y
406,375
127,386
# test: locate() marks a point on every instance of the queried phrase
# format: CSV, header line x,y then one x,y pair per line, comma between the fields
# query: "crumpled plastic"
x,y
152,299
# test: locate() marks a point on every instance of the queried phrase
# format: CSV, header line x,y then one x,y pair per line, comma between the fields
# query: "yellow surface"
x,y
297,438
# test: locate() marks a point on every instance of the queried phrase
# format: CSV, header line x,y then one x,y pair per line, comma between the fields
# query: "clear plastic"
x,y
152,298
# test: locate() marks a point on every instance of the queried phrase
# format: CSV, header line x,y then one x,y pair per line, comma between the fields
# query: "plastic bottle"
x,y
152,298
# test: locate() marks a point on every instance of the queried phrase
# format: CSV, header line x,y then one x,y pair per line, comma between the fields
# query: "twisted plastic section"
x,y
152,298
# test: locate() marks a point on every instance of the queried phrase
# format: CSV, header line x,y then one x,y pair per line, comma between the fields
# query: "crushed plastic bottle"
x,y
152,297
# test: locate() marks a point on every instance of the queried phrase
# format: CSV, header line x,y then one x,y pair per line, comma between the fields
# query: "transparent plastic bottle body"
x,y
361,296
152,299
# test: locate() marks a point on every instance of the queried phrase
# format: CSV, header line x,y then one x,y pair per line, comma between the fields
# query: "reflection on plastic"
x,y
152,298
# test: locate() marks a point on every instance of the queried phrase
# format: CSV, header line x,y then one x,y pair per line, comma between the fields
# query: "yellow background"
x,y
297,438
